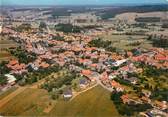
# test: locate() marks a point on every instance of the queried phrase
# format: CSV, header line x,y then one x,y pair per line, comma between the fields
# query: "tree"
x,y
3,68
68,28
3,80
54,95
24,27
42,26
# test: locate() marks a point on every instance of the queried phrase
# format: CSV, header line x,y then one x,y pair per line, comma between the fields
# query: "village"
x,y
69,64
115,72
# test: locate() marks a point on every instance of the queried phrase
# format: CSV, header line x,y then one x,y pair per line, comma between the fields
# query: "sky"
x,y
79,2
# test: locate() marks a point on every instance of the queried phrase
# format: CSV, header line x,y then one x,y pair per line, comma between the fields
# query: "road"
x,y
100,83
83,91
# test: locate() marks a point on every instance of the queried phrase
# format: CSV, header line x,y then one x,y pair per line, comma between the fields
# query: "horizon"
x,y
79,2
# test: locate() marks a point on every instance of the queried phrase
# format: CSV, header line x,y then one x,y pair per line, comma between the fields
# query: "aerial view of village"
x,y
84,58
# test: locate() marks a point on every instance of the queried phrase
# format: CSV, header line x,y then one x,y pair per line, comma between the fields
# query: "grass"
x,y
5,56
32,102
95,102
29,102
123,41
4,44
4,94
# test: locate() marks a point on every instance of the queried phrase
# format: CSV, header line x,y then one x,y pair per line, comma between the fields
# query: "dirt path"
x,y
76,94
10,96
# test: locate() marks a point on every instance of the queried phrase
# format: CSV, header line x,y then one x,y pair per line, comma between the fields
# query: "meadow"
x,y
95,102
5,44
125,41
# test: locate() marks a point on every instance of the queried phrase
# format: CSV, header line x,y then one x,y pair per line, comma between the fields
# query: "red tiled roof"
x,y
93,65
125,98
114,83
160,57
86,72
13,62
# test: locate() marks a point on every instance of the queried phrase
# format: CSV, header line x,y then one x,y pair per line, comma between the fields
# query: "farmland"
x,y
125,41
95,102
4,44
4,94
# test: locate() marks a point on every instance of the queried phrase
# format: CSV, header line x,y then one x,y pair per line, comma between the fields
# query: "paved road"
x,y
100,83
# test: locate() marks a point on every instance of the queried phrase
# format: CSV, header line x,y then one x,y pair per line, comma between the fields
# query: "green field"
x,y
95,102
123,41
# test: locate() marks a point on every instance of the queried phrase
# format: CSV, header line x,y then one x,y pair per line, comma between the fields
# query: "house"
x,y
104,76
113,75
93,66
90,75
44,65
83,83
124,69
155,113
125,98
119,62
10,79
132,80
16,68
67,94
86,72
145,99
146,93
161,104
116,86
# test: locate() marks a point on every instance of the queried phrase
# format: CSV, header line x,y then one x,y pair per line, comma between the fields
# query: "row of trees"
x,y
23,55
34,76
148,19
159,41
3,80
23,27
68,28
59,82
3,70
100,43
127,109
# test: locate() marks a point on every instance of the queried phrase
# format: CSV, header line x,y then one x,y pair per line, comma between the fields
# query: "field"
x,y
95,102
28,102
4,44
2,95
123,41
130,16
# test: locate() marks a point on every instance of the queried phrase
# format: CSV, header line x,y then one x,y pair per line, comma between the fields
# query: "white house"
x,y
11,79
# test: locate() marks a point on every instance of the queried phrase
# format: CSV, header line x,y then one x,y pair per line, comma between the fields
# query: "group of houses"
x,y
92,63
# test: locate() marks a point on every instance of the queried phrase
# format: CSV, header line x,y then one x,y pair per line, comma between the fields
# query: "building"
x,y
11,79
67,94
83,83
